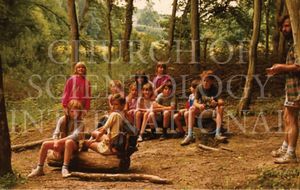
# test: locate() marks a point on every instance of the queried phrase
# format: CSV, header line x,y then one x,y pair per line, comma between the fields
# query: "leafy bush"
x,y
9,180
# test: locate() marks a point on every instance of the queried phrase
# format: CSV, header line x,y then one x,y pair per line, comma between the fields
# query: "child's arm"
x,y
158,107
56,134
198,105
126,108
97,134
77,133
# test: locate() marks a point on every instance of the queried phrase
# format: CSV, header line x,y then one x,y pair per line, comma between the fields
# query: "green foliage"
x,y
148,16
279,178
10,180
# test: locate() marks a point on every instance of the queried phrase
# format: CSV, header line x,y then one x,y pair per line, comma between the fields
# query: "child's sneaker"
x,y
220,138
286,159
140,138
65,172
278,153
187,140
163,137
38,171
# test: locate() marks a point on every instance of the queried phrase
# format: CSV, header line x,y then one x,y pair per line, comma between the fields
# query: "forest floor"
x,y
247,164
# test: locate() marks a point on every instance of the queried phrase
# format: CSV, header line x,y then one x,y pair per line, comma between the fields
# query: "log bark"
x,y
120,177
30,145
246,98
91,160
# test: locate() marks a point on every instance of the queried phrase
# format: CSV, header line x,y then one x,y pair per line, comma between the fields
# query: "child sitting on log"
x,y
184,113
101,139
131,103
206,103
65,139
164,106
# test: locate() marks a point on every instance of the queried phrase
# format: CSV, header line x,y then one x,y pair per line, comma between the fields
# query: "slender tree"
x,y
5,149
71,7
293,7
172,26
278,38
110,36
83,13
195,32
246,98
127,31
184,18
267,17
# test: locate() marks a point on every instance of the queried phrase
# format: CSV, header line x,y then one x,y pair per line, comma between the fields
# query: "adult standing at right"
x,y
287,152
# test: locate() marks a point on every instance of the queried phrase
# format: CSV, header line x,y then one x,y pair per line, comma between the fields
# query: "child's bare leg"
x,y
94,145
177,119
186,117
144,124
47,145
219,119
70,147
138,119
220,113
191,119
152,119
167,118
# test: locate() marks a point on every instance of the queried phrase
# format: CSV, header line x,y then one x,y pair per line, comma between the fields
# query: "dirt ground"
x,y
187,167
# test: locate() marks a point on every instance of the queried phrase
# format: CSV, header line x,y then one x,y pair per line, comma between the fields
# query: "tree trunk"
x,y
205,50
110,37
195,32
267,14
172,27
278,39
127,32
5,149
184,18
74,32
246,98
293,7
84,13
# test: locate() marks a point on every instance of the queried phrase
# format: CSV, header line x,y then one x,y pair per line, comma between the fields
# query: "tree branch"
x,y
120,177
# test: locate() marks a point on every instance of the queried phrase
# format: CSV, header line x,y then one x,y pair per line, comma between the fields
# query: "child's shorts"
x,y
208,113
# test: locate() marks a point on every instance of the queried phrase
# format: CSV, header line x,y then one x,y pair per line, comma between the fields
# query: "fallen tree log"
x,y
120,177
30,145
91,160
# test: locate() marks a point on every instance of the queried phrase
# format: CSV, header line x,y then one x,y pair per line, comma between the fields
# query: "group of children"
x,y
146,103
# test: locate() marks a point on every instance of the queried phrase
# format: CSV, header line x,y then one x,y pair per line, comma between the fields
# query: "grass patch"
x,y
10,180
279,178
